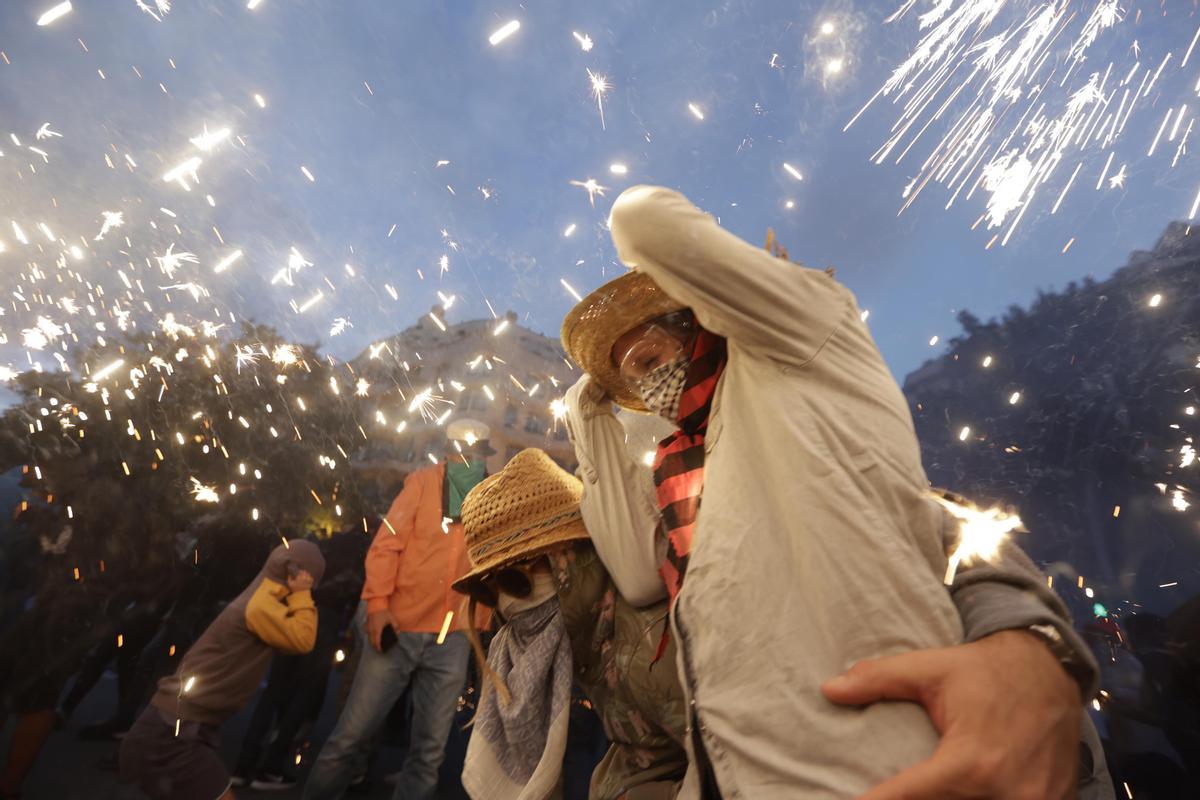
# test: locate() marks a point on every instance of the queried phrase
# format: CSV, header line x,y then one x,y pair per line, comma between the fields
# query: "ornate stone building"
x,y
495,371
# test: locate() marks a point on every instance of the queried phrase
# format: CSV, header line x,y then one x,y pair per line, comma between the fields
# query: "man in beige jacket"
x,y
818,546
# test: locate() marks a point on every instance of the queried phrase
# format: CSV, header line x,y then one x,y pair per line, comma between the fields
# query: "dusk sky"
x,y
369,96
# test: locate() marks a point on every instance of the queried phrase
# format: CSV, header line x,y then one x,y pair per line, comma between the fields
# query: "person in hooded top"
x,y
172,749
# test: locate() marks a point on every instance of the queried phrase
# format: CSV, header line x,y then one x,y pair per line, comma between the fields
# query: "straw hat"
x,y
593,326
524,509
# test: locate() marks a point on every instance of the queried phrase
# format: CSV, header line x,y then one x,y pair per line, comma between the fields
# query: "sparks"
x,y
307,174
585,41
593,188
361,387
339,326
696,112
981,533
571,290
58,11
108,370
795,173
228,261
204,494
570,229
182,172
206,141
170,261
600,87
505,31
618,169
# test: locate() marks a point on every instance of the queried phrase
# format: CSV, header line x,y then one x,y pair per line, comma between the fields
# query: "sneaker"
x,y
272,783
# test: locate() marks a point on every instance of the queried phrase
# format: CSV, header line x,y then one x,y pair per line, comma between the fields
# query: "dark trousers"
x,y
294,695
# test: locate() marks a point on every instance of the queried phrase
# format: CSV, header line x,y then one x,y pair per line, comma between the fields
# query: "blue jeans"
x,y
437,674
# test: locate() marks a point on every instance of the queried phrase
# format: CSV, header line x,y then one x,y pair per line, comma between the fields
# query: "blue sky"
x,y
519,120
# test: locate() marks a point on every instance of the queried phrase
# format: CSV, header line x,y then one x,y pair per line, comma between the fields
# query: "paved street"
x,y
70,769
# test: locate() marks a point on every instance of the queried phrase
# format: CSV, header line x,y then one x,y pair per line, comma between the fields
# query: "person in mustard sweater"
x,y
172,749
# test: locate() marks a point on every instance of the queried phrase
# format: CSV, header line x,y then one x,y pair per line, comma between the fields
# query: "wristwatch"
x,y
1067,658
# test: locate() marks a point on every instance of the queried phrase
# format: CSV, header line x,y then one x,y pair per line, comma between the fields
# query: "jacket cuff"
x,y
990,607
377,604
302,599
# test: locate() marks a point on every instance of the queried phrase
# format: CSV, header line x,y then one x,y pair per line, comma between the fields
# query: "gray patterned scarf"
x,y
516,750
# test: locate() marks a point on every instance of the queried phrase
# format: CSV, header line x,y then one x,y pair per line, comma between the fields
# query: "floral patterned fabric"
x,y
641,705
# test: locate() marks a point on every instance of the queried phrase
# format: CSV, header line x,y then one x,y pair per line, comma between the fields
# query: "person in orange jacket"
x,y
412,621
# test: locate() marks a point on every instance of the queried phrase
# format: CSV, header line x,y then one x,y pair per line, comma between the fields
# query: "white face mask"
x,y
661,388
543,590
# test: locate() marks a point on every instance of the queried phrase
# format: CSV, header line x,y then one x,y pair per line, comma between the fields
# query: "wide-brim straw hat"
x,y
593,326
523,510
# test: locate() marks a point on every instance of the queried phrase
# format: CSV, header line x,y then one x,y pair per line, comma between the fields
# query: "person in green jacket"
x,y
564,620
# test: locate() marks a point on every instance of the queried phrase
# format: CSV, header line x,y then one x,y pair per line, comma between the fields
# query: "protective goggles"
x,y
658,342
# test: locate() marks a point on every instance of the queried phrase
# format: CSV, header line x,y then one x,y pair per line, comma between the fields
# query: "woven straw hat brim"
x,y
522,550
593,326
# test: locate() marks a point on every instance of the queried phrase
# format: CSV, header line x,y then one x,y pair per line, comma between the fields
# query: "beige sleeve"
x,y
736,290
618,506
286,622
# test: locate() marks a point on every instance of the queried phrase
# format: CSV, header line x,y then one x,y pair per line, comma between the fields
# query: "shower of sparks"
x,y
228,261
206,141
160,9
307,174
585,41
795,173
361,387
505,31
618,169
1018,101
112,219
501,328
600,87
1178,502
426,402
696,112
570,229
981,533
590,186
285,355
204,494
52,14
339,326
558,408
182,172
170,261
44,132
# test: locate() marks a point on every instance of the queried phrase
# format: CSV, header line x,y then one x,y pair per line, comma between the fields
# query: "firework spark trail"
x,y
600,87
1014,110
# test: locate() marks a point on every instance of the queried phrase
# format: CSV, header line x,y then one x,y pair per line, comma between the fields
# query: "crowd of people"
x,y
763,613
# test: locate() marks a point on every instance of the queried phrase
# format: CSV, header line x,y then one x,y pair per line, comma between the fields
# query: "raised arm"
x,y
618,503
393,536
737,290
286,622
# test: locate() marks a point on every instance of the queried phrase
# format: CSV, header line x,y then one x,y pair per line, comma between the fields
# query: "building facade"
x,y
494,371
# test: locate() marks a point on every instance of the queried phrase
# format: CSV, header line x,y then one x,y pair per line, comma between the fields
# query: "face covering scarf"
x,y
679,462
460,479
661,388
516,750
